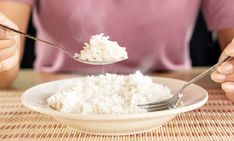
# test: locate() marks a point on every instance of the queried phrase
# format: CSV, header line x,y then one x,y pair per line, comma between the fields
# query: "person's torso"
x,y
155,32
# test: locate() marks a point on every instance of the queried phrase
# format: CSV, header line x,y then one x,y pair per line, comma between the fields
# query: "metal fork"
x,y
175,100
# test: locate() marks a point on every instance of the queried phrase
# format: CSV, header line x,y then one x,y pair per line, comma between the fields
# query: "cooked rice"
x,y
108,94
101,49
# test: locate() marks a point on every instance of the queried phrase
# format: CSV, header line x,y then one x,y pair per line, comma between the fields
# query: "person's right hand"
x,y
9,45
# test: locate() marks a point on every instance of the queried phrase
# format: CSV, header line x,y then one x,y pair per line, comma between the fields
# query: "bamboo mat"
x,y
214,121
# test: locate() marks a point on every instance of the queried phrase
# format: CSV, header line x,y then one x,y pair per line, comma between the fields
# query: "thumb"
x,y
4,33
228,51
232,42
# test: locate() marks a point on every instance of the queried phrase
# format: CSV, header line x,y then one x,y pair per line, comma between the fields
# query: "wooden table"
x,y
214,121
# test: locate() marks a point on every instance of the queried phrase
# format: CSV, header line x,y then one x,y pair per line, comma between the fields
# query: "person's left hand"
x,y
224,74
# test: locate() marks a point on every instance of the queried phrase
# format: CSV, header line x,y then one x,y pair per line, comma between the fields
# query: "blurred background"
x,y
204,51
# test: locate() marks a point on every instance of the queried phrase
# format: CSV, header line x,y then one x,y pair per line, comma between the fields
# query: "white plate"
x,y
35,99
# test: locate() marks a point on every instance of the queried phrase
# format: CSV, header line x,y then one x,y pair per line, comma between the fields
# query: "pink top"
x,y
156,33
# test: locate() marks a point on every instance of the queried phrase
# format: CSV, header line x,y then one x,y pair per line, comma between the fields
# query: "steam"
x,y
87,20
147,63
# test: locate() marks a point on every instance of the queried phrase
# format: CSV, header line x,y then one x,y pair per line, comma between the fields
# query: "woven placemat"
x,y
213,121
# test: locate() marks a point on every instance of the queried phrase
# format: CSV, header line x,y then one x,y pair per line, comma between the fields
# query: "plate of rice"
x,y
106,104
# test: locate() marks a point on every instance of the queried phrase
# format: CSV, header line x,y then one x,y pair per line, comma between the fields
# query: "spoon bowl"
x,y
97,62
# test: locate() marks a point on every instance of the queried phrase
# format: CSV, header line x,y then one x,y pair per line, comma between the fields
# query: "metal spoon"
x,y
62,49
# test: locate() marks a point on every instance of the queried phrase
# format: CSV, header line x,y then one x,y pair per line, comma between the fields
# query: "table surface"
x,y
213,121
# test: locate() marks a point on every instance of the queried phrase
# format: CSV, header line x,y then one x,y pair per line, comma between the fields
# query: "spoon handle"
x,y
34,38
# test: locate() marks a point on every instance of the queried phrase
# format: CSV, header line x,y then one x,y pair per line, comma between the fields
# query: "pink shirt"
x,y
156,33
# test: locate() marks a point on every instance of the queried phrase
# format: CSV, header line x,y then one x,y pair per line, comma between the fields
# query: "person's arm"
x,y
13,14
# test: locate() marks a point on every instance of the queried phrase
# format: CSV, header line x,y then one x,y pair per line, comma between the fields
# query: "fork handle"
x,y
204,73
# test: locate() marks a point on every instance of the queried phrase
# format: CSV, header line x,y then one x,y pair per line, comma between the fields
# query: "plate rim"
x,y
93,117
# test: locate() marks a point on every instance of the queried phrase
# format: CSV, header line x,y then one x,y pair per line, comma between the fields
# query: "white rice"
x,y
108,94
101,49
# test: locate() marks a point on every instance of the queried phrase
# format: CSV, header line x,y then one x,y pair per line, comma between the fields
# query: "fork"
x,y
175,100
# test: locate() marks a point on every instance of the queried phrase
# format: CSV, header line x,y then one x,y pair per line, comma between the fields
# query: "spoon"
x,y
62,49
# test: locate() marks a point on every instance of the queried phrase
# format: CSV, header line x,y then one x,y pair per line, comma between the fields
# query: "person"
x,y
156,34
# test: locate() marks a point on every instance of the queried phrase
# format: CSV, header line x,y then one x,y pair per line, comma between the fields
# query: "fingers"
x,y
227,83
229,95
6,43
9,45
10,62
227,67
224,74
9,55
6,34
218,77
228,88
7,22
225,71
7,52
3,34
